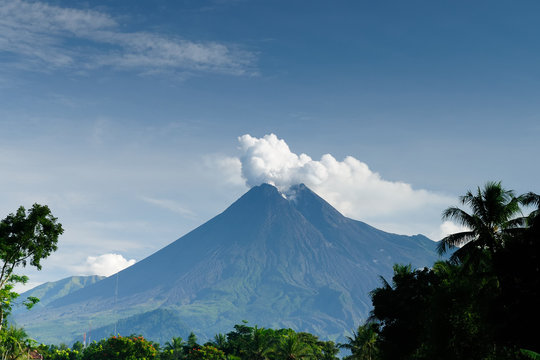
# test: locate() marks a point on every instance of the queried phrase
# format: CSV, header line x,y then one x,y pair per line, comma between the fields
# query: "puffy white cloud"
x,y
105,265
349,185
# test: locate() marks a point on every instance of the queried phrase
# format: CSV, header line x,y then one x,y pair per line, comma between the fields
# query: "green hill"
x,y
51,291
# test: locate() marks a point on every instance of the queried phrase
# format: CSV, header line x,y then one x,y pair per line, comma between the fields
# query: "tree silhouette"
x,y
494,215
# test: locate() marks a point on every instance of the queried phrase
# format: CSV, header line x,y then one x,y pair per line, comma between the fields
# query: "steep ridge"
x,y
275,260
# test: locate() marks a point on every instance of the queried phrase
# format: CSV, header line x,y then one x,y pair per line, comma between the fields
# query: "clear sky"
x,y
125,116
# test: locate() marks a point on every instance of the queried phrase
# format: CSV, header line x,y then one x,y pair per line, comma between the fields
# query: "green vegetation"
x,y
25,238
243,343
14,343
483,302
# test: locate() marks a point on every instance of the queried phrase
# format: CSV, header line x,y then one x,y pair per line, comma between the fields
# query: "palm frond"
x,y
459,216
509,211
530,354
453,240
477,204
515,223
530,199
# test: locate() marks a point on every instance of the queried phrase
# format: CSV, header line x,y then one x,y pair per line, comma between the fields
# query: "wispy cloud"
x,y
169,205
38,35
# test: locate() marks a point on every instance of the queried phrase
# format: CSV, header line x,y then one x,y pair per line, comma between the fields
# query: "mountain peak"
x,y
276,259
258,197
312,206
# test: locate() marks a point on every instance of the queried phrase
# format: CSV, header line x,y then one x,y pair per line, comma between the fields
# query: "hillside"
x,y
51,291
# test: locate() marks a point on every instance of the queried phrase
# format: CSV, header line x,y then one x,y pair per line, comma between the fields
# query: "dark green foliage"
x,y
517,267
206,352
248,342
434,313
192,339
77,346
401,310
25,238
8,298
363,344
174,349
251,343
530,354
493,218
220,341
483,303
121,348
319,350
14,343
244,342
290,347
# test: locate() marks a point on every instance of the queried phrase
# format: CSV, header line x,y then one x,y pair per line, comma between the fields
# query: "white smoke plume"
x,y
349,185
105,265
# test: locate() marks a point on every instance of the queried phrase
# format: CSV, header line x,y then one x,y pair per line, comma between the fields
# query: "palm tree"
x,y
175,347
220,341
494,215
14,343
291,348
259,346
363,343
532,199
176,343
192,340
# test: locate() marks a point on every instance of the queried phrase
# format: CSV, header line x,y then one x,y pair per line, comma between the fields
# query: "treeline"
x,y
245,342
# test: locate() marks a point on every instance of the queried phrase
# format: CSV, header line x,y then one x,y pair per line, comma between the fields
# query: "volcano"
x,y
274,260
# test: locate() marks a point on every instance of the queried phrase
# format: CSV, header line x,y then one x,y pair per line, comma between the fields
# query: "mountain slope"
x,y
160,325
50,291
275,261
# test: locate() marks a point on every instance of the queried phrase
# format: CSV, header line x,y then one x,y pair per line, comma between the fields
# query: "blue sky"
x,y
125,116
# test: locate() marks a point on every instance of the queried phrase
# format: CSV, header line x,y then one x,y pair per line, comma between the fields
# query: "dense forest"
x,y
480,304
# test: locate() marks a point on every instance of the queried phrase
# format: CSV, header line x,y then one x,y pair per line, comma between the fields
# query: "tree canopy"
x,y
25,238
483,302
